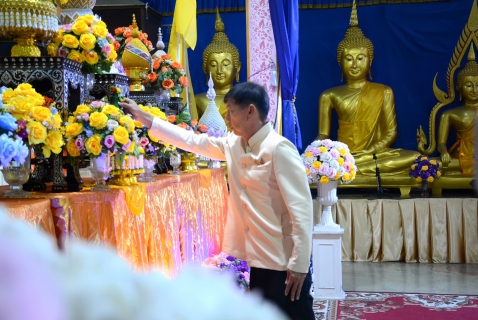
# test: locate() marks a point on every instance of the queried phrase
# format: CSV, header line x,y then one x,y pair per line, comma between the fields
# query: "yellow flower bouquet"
x,y
98,128
87,41
38,120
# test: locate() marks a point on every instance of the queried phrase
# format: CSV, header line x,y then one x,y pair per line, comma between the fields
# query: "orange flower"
x,y
128,40
166,57
152,77
164,69
149,43
183,125
202,128
145,35
127,33
141,37
172,118
117,45
119,31
194,122
175,65
156,64
168,84
183,81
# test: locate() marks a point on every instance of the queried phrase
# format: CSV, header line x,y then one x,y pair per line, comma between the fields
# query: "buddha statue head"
x,y
467,79
221,59
355,51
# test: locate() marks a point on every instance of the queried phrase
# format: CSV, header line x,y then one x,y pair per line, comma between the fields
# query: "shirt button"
x,y
247,229
243,165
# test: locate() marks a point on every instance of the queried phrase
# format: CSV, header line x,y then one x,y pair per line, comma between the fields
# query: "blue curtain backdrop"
x,y
285,24
412,43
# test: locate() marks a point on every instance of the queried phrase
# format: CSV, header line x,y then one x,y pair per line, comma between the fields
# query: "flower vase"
x,y
327,196
162,96
40,171
101,167
59,182
16,175
424,193
175,161
148,165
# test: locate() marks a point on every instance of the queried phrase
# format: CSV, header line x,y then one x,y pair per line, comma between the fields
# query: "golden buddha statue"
x,y
221,60
366,111
459,159
456,163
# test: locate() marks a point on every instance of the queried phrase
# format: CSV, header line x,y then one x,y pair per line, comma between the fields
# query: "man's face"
x,y
222,69
237,118
355,63
469,90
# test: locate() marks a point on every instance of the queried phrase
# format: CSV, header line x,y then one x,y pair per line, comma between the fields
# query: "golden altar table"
x,y
439,230
182,220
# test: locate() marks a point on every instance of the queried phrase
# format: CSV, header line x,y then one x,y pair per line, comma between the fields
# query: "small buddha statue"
x,y
221,60
366,110
459,159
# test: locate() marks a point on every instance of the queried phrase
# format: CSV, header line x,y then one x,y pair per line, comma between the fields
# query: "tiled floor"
x,y
410,277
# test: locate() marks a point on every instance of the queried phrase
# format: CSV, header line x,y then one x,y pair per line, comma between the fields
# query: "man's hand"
x,y
130,107
294,283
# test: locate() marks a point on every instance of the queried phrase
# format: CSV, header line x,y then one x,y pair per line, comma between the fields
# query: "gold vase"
x,y
137,76
27,21
188,163
75,8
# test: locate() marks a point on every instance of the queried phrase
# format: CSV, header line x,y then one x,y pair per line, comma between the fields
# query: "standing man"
x,y
269,221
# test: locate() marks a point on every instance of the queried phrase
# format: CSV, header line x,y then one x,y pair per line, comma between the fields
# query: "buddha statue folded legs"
x,y
366,113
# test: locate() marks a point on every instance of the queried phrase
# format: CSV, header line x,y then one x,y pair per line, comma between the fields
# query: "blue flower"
x,y
7,150
8,122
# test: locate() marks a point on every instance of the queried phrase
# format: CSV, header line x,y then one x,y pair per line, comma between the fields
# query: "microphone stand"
x,y
380,192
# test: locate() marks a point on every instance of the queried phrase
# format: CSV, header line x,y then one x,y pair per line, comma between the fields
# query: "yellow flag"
x,y
183,36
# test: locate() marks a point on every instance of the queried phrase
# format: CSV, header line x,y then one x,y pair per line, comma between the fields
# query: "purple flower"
x,y
85,116
63,52
127,145
79,143
109,141
23,134
230,258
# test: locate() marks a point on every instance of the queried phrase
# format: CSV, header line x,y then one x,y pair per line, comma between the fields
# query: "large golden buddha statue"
x,y
366,110
221,60
459,159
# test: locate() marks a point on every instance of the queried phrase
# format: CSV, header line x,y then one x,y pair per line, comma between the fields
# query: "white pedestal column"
x,y
327,263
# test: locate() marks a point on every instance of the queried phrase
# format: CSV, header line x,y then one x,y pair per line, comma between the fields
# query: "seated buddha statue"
x,y
459,158
221,61
366,110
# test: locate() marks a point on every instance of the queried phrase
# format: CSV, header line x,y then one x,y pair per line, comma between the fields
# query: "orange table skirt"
x,y
182,220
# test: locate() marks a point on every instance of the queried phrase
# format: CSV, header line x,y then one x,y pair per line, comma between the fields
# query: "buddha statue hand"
x,y
444,155
363,152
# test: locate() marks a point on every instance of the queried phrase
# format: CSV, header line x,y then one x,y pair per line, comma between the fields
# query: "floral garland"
x,y
87,41
37,118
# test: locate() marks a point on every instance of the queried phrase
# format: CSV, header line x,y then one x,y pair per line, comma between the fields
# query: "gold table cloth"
x,y
36,212
439,230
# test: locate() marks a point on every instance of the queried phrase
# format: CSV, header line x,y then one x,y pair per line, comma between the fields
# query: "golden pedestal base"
x,y
25,47
137,75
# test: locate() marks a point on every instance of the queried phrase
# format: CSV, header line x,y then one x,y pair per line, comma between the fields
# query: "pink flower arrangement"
x,y
327,160
225,262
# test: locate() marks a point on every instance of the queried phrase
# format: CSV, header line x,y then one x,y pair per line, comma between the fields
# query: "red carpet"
x,y
398,306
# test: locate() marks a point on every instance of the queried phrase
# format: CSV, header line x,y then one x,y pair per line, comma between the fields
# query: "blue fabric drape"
x,y
330,4
285,24
202,6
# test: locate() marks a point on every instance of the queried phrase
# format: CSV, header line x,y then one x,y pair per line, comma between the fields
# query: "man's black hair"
x,y
247,93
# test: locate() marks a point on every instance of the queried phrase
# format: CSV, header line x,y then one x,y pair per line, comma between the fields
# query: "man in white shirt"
x,y
269,222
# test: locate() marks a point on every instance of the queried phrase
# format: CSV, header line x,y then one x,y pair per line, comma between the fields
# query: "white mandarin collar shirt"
x,y
269,221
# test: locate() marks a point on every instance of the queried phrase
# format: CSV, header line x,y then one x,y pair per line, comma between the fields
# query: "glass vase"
x,y
148,165
175,161
424,193
16,174
100,169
